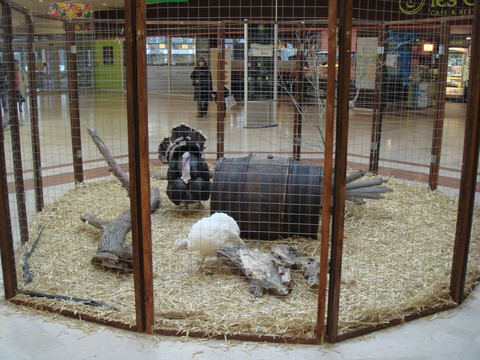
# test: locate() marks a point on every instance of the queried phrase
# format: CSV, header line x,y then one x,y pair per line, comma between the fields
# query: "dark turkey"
x,y
188,174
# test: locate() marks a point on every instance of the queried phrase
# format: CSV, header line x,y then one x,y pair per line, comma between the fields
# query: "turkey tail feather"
x,y
189,134
163,150
181,136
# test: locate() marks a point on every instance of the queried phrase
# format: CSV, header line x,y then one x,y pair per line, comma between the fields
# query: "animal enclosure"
x,y
348,162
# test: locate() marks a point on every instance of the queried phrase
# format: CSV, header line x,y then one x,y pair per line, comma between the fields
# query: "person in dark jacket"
x,y
202,81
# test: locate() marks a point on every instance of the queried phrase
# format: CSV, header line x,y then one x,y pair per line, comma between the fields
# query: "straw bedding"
x,y
397,260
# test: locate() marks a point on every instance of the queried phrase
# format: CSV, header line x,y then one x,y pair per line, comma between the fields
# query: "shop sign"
x,y
437,7
260,50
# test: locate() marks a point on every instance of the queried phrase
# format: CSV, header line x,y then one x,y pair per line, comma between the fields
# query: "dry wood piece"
x,y
358,189
286,255
27,274
114,167
112,253
259,268
311,269
270,272
68,298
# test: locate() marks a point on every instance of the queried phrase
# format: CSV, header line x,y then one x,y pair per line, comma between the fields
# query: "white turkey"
x,y
188,174
211,233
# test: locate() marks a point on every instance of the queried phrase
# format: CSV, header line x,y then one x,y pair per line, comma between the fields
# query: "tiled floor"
x,y
25,334
405,144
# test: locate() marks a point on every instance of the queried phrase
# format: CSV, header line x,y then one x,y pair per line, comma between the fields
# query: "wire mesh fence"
x,y
313,171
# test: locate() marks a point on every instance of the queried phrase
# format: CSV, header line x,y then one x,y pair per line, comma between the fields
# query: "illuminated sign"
x,y
437,7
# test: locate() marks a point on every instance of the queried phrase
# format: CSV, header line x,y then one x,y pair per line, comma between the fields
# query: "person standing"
x,y
202,81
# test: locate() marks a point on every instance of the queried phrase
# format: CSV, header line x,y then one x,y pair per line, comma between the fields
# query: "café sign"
x,y
437,7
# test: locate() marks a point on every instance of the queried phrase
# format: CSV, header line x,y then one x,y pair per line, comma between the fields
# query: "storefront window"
x,y
457,73
181,50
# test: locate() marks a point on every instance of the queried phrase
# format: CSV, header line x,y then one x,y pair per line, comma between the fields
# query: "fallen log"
x,y
260,270
270,272
112,252
285,255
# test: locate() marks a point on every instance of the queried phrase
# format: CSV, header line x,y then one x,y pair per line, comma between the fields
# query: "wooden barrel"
x,y
269,197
